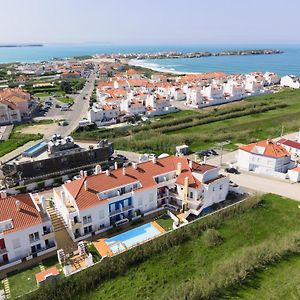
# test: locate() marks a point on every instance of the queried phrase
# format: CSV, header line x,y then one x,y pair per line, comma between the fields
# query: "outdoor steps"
x,y
57,221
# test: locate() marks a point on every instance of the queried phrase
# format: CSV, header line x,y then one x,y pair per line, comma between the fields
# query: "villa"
x,y
95,203
265,157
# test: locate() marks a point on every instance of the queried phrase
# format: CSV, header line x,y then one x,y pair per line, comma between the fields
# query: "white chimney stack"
x,y
124,171
204,159
116,165
107,172
85,173
85,185
178,171
134,165
81,173
18,205
98,169
154,160
191,164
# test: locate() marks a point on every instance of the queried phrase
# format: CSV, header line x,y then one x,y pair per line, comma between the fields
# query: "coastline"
x,y
156,67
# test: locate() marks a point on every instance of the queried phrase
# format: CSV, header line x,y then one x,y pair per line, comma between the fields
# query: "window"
x,y
87,219
191,195
101,226
221,187
33,237
213,189
16,243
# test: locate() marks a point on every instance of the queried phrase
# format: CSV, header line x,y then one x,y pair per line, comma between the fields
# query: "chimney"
x,y
154,160
134,165
178,171
18,205
81,174
124,171
98,169
116,165
204,161
107,172
191,164
3,194
85,173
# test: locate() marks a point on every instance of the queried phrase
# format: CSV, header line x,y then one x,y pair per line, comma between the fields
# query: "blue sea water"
x,y
286,63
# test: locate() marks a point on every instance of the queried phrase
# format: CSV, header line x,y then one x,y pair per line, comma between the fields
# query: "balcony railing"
x,y
33,240
120,210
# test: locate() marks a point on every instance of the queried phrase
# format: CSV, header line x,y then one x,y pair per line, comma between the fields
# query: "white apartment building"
x,y
264,157
194,96
95,203
271,78
25,229
103,114
233,90
290,81
213,93
9,114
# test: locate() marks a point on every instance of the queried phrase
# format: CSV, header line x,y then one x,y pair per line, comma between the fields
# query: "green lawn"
x,y
92,249
165,222
17,140
42,94
65,100
22,283
191,260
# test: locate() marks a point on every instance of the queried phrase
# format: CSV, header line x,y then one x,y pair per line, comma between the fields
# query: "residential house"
x,y
95,203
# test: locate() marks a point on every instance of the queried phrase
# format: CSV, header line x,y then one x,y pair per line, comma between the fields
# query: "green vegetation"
x,y
18,139
92,249
83,57
22,283
42,94
255,233
277,281
211,238
165,222
247,121
65,100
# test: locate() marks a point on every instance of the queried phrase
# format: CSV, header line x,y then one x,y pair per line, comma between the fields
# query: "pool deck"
x,y
104,250
158,227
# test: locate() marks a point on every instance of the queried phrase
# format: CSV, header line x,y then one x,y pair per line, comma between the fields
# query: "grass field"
x,y
247,121
22,283
162,273
277,281
65,100
17,139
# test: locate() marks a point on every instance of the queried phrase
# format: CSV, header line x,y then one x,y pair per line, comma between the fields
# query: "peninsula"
x,y
17,45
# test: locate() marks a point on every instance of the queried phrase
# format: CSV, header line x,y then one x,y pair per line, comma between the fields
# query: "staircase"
x,y
57,221
62,237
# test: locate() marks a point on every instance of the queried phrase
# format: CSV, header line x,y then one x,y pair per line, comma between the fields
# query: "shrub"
x,y
211,238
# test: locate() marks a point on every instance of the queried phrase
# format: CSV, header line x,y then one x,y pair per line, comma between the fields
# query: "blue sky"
x,y
150,21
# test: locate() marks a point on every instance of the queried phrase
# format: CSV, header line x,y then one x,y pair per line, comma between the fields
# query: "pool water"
x,y
35,148
132,237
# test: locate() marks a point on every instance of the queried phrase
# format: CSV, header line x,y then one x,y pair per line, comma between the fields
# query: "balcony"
x,y
120,210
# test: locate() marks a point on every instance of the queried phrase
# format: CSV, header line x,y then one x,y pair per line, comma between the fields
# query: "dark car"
x,y
65,123
232,170
204,153
121,156
213,152
58,106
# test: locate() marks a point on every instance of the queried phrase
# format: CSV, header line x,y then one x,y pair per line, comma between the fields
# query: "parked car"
x,y
232,170
122,156
58,106
233,184
213,152
65,123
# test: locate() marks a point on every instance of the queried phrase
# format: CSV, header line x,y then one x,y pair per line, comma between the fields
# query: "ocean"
x,y
286,63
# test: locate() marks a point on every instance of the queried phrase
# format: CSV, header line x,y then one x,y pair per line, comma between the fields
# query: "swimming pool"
x,y
132,237
36,149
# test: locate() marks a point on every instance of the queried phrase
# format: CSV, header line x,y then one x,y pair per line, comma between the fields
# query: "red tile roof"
x,y
269,148
292,144
27,216
41,276
144,174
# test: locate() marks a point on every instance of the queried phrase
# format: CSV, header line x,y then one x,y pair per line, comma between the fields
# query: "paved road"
x,y
267,185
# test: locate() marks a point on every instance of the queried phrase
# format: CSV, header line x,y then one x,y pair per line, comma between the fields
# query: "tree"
x,y
66,87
